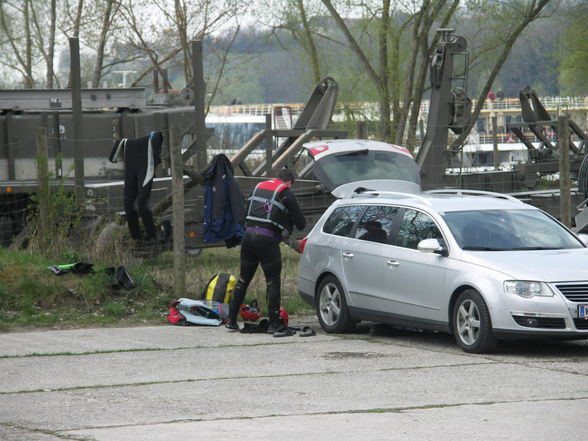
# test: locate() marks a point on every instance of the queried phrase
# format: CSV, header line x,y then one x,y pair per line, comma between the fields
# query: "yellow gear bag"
x,y
219,288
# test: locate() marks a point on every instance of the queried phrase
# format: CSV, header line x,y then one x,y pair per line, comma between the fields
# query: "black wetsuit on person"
x,y
141,156
272,208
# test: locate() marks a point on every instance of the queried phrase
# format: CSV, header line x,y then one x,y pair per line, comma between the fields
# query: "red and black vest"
x,y
265,206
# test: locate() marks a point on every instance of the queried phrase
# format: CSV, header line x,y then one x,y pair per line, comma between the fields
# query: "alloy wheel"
x,y
468,322
330,304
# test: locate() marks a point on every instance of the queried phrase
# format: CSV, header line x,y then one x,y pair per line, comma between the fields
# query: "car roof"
x,y
442,202
467,202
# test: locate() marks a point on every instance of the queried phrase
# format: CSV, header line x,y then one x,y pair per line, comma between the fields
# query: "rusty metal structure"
x,y
79,143
449,110
81,125
449,106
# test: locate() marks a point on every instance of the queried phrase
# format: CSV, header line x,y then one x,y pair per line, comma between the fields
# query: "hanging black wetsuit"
x,y
141,156
272,209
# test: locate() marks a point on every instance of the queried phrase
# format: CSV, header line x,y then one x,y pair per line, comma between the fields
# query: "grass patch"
x,y
33,296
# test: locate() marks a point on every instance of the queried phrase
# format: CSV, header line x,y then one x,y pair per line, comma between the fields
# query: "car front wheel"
x,y
331,307
472,326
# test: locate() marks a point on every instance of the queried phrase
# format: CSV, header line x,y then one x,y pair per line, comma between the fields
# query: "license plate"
x,y
583,312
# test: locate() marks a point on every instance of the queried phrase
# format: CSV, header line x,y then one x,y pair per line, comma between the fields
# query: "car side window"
x,y
342,219
416,226
376,224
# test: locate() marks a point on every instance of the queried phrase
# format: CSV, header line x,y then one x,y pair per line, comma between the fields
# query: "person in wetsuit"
x,y
141,156
273,210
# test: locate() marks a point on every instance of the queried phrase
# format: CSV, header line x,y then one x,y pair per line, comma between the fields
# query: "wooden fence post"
x,y
76,115
495,142
360,130
177,171
44,192
269,140
564,171
199,89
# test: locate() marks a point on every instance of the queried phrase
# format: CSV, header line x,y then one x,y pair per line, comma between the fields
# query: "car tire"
x,y
331,307
472,327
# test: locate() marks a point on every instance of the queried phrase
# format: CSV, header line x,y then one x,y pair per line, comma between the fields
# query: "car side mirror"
x,y
431,246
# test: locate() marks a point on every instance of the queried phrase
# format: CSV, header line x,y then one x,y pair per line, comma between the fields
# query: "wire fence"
x,y
97,224
100,224
103,193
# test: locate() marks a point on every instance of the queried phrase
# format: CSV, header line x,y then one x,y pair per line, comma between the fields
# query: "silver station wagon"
x,y
482,266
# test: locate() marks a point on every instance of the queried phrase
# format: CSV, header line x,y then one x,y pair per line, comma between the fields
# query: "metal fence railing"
x,y
551,103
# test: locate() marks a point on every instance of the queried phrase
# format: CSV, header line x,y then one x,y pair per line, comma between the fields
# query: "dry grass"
x,y
199,270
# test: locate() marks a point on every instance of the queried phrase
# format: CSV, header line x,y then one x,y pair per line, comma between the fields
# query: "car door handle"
x,y
348,255
393,263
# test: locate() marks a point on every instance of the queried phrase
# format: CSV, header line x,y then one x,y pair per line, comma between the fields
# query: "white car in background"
x,y
339,162
482,266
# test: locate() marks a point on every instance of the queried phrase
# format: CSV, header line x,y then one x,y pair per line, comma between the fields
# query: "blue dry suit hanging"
x,y
224,208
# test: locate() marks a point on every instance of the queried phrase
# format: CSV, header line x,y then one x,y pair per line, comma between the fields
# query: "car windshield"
x,y
366,165
508,230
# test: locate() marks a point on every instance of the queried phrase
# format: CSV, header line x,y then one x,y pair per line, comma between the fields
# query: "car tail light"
x,y
302,245
318,149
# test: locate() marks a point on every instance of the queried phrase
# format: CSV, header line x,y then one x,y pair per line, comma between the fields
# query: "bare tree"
x,y
387,76
223,62
31,31
166,28
308,42
181,21
51,45
198,20
299,19
76,19
97,26
415,90
16,27
399,75
140,36
71,24
39,14
574,50
107,18
521,13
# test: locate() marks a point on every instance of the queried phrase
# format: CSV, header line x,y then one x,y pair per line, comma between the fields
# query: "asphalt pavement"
x,y
206,383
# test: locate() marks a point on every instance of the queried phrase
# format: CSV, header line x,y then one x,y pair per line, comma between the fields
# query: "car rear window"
x,y
342,219
336,170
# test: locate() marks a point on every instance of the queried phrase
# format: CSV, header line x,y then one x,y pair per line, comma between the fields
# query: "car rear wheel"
x,y
472,326
331,307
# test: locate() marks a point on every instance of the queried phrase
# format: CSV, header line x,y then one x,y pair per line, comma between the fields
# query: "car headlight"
x,y
527,288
